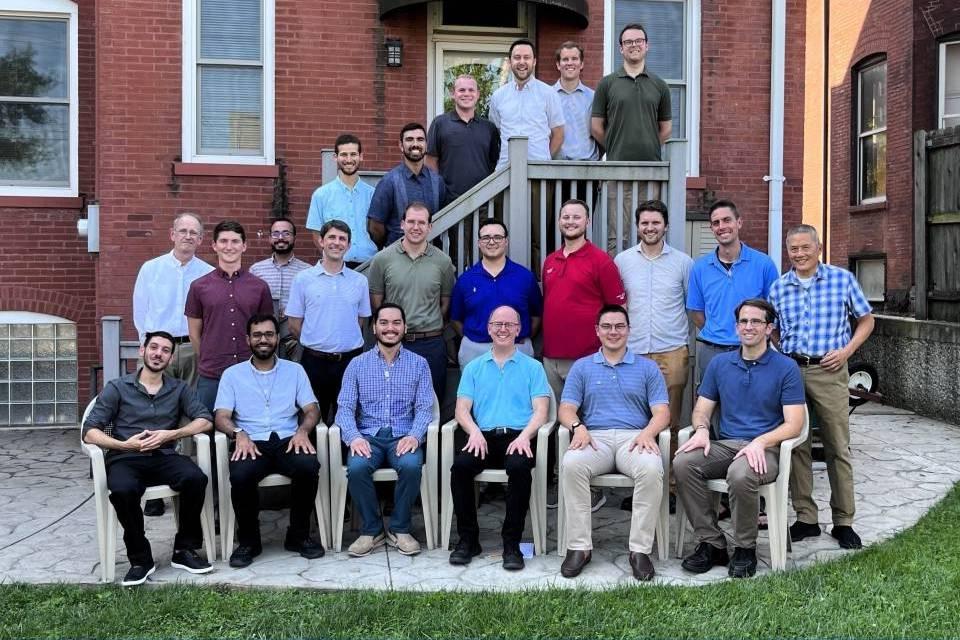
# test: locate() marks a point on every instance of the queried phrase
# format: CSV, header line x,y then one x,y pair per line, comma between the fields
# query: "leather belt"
x,y
502,431
333,357
804,360
722,347
423,335
180,340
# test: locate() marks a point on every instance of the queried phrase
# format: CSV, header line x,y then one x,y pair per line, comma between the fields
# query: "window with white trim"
x,y
38,98
228,79
949,84
871,119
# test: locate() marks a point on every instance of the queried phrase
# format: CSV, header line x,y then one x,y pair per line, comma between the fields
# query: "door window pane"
x,y
492,70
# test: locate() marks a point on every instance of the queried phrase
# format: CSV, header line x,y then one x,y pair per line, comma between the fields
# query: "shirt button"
x,y
234,339
231,295
232,310
233,324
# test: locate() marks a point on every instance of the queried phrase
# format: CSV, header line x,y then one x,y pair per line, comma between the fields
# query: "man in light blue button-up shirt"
x,y
576,99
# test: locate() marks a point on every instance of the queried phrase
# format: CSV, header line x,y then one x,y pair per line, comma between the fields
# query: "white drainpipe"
x,y
775,178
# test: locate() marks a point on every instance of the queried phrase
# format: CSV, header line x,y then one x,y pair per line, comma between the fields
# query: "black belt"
x,y
502,431
722,347
181,340
333,357
423,335
804,360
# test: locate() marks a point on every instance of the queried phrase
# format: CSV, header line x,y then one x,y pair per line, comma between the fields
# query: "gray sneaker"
x,y
597,499
552,497
363,545
405,543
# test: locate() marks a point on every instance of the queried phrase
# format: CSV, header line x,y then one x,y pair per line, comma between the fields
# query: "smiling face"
x,y
282,237
633,46
804,252
229,247
570,64
349,158
413,144
752,326
522,62
651,228
334,244
504,326
492,241
416,225
613,329
725,226
573,221
389,327
157,354
186,235
465,93
263,340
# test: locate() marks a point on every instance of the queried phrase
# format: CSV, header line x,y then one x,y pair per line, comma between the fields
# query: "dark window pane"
x,y
44,413
21,414
873,180
491,13
21,370
66,413
4,392
873,97
21,348
21,392
4,414
33,58
663,23
34,144
43,391
44,370
4,370
66,392
67,370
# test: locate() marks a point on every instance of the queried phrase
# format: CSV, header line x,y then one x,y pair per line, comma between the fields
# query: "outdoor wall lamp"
x,y
394,52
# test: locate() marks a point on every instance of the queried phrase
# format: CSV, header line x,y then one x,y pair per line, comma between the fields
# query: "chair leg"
x,y
426,499
109,572
321,510
681,528
339,490
535,523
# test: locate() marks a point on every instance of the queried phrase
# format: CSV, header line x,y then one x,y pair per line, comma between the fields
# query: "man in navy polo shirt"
x,y
761,398
494,281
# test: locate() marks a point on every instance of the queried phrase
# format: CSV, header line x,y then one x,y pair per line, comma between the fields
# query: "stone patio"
x,y
904,464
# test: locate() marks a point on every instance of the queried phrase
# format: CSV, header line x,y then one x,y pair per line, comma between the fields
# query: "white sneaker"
x,y
404,543
363,545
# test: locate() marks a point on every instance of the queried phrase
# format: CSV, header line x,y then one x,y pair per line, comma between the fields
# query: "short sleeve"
x,y
305,395
226,392
315,213
192,308
539,385
694,291
296,303
363,309
656,386
535,298
433,142
611,284
380,204
857,301
458,309
709,387
468,384
599,107
376,274
792,391
664,112
770,275
448,278
554,109
574,386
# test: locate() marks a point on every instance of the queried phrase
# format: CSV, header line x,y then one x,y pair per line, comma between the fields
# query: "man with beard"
x,y
258,406
346,198
384,408
278,272
410,181
145,410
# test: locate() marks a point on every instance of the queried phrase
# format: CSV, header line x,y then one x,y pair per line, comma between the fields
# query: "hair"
x,y
613,308
389,305
486,222
187,214
504,306
653,205
150,335
464,76
412,126
347,138
757,303
576,201
519,42
569,44
339,225
417,204
258,318
288,221
803,228
720,204
633,25
229,225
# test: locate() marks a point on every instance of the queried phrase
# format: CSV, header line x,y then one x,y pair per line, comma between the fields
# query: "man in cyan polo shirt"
x,y
346,198
495,280
502,401
328,306
761,399
615,403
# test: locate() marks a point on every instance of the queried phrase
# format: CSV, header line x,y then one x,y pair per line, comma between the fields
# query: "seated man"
x,y
145,409
761,398
258,404
384,408
502,401
623,406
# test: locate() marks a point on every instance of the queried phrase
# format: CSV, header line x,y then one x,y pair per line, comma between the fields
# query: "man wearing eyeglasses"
x,y
494,281
615,404
278,272
761,398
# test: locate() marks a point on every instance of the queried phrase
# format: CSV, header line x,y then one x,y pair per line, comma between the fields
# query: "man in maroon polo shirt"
x,y
578,279
218,307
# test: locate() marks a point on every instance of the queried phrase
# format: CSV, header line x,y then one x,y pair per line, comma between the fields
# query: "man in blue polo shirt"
x,y
495,280
761,399
502,401
721,280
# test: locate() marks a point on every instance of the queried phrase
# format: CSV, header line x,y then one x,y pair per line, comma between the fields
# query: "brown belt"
x,y
335,357
423,335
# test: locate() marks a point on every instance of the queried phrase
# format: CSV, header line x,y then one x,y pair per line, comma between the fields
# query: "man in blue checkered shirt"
x,y
814,302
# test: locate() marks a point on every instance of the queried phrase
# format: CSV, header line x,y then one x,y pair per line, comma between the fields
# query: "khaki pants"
x,y
827,394
675,367
611,455
692,470
557,371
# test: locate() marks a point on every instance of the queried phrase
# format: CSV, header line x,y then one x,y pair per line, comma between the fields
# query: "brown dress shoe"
x,y
641,565
574,563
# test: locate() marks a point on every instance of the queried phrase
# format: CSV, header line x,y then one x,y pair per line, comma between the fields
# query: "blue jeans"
x,y
383,448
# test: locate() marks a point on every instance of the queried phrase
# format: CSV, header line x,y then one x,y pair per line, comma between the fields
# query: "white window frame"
x,y
190,111
53,9
942,84
691,107
860,71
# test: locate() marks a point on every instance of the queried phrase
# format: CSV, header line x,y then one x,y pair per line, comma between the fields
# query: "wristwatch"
x,y
236,430
576,423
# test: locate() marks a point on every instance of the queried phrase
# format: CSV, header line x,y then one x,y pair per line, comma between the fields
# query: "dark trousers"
x,y
465,468
326,377
128,478
435,351
303,469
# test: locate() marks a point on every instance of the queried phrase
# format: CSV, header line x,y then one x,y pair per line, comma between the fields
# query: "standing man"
x,y
761,405
145,410
218,307
410,181
259,404
417,276
384,409
576,100
814,302
502,402
346,198
631,117
494,281
278,272
615,404
721,280
462,145
327,309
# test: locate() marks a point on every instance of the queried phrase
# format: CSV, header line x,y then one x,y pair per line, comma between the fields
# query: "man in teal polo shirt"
x,y
502,401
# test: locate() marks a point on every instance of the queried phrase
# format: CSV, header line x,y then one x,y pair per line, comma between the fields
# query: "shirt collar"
x,y
488,355
743,257
820,274
134,380
622,73
400,249
236,274
628,358
763,359
345,186
176,262
580,87
665,251
276,366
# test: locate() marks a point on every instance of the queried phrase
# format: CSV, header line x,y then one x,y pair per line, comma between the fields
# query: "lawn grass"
x,y
907,587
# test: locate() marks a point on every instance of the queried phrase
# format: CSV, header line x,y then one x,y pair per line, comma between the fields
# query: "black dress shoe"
x,y
744,563
800,530
642,566
705,557
308,547
847,537
464,551
512,558
243,555
153,507
574,563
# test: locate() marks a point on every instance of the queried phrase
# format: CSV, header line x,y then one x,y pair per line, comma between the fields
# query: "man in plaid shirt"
x,y
814,302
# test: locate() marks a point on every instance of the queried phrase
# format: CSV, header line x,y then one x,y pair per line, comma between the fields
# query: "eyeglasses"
x,y
259,335
631,43
281,234
188,233
497,326
620,326
753,322
492,239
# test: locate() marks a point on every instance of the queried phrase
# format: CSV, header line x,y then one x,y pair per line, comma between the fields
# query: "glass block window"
x,y
38,370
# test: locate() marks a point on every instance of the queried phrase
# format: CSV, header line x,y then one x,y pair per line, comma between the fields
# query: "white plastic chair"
x,y
538,493
428,481
774,493
107,516
321,502
619,480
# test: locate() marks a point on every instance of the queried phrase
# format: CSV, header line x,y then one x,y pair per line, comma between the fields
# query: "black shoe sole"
x,y
193,570
136,583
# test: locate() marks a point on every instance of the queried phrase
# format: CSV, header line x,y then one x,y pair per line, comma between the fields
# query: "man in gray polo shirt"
x,y
419,277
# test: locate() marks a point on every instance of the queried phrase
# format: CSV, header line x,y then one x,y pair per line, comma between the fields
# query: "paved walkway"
x,y
903,463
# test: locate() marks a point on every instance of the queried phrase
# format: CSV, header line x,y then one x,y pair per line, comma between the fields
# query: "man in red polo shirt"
x,y
578,279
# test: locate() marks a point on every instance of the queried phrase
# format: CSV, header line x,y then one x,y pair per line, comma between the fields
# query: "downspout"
x,y
774,178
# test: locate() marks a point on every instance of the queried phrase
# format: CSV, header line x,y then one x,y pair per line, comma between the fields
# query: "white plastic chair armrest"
x,y
563,440
201,443
684,435
333,438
